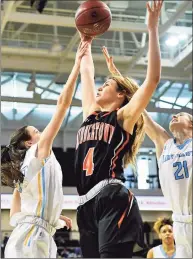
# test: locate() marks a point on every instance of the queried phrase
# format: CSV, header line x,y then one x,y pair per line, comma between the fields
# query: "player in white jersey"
x,y
164,229
175,172
28,164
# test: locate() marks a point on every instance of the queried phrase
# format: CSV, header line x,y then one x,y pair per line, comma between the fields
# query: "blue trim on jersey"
x,y
164,253
29,243
44,191
181,146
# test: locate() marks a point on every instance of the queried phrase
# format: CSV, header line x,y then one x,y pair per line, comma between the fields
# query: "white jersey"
x,y
41,206
158,252
175,174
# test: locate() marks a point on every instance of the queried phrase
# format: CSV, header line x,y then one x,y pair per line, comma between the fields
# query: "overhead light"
x,y
32,84
172,41
183,36
119,5
56,47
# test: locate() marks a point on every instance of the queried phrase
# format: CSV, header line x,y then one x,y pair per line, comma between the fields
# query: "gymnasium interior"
x,y
37,55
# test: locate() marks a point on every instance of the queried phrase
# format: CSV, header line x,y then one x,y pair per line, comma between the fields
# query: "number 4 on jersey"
x,y
88,164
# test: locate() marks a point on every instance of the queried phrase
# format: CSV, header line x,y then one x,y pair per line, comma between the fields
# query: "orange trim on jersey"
x,y
122,218
130,195
94,113
106,114
119,150
113,174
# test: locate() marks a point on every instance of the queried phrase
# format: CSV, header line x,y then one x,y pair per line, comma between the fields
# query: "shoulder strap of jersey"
x,y
168,143
29,155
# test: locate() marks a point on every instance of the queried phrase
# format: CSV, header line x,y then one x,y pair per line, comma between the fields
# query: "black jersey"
x,y
100,148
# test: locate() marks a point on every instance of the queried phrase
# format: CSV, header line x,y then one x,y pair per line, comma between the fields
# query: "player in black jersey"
x,y
108,217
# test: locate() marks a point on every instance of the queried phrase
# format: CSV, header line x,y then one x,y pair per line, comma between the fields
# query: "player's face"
x,y
34,133
166,234
108,93
180,121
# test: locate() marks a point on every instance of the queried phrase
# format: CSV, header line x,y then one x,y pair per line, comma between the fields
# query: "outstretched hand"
x,y
82,48
67,220
110,64
154,14
85,38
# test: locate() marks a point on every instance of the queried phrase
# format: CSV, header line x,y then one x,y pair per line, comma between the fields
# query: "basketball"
x,y
93,18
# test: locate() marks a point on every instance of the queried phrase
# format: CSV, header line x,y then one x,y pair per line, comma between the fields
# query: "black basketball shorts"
x,y
112,217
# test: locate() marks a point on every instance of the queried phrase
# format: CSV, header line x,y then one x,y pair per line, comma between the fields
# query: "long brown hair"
x,y
129,87
12,157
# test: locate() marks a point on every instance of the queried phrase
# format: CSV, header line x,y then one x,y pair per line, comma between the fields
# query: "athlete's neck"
x,y
182,136
169,248
110,107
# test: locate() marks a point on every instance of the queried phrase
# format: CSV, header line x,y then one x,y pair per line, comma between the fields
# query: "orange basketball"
x,y
93,18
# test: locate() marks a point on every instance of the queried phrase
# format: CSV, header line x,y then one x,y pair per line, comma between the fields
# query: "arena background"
x,y
37,55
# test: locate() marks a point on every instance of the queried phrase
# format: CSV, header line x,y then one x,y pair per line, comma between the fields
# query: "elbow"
x,y
86,70
84,67
157,79
153,81
63,103
154,78
63,106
